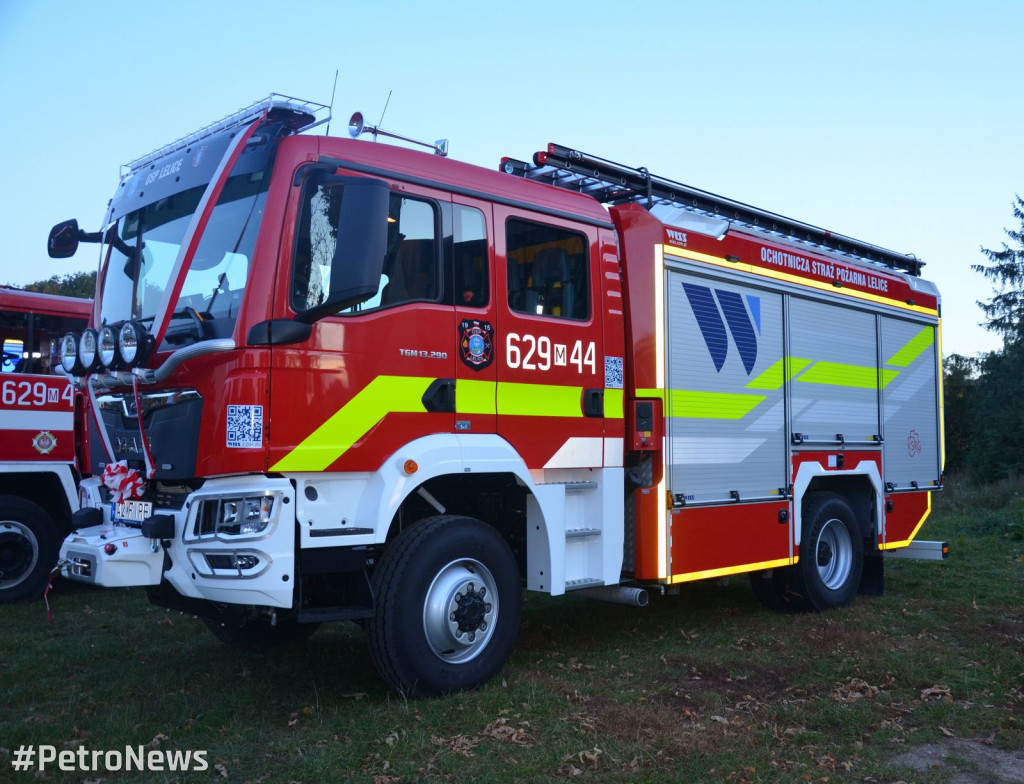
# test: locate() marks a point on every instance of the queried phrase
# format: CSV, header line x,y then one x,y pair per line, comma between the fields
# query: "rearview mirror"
x,y
361,217
63,241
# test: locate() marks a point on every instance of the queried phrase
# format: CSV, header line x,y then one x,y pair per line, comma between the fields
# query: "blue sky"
x,y
893,122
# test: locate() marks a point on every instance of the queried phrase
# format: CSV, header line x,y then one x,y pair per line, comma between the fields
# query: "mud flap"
x,y
872,579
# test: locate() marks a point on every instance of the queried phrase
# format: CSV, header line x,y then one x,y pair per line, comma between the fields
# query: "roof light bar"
x,y
306,115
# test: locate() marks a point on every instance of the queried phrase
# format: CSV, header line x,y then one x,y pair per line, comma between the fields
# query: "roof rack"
x,y
613,183
299,116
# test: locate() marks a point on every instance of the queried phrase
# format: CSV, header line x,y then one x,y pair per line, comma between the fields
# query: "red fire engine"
x,y
340,380
38,468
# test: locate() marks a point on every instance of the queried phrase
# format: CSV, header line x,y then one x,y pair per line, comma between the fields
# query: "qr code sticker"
x,y
613,373
245,427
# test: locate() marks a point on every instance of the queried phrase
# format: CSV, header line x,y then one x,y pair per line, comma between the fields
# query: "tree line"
x,y
77,284
984,395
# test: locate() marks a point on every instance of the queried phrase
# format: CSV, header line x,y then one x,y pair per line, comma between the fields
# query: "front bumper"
x,y
248,569
113,556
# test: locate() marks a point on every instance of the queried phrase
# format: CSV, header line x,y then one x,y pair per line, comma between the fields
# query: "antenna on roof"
x,y
388,101
335,87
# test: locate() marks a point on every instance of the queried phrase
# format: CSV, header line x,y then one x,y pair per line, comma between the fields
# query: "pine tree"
x,y
1005,311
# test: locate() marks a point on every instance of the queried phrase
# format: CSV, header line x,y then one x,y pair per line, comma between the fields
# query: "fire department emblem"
x,y
44,442
476,344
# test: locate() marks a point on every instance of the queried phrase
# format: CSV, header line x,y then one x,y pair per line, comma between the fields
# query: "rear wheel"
x,y
448,600
831,553
29,545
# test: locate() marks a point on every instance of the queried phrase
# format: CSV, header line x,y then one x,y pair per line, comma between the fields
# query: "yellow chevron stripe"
x,y
401,394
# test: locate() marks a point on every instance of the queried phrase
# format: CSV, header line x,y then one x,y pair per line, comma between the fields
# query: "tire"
x,y
29,547
258,635
831,553
448,604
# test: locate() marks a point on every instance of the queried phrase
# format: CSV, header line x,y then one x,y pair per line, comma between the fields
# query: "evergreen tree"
x,y
960,387
997,415
1005,311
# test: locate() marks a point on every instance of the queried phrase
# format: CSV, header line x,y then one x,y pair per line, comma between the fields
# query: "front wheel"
x,y
29,545
831,553
449,600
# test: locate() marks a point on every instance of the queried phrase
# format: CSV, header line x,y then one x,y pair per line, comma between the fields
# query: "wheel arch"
x,y
860,487
52,488
464,475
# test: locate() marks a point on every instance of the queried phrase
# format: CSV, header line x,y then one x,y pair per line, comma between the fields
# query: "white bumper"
x,y
112,556
256,569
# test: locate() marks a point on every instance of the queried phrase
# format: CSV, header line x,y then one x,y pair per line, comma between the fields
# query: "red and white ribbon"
x,y
125,483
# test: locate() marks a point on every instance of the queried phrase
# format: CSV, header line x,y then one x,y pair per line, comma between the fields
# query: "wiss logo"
x,y
718,311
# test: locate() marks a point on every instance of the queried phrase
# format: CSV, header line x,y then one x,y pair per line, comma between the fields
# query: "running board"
x,y
922,551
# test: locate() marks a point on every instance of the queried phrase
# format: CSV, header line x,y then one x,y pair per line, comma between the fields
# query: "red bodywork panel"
x,y
38,419
718,540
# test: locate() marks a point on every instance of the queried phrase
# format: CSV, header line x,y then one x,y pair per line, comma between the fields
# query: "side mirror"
x,y
63,241
362,244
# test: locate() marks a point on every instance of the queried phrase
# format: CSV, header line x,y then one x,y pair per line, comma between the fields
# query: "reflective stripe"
x,y
686,404
475,397
683,578
837,374
802,281
917,346
779,373
690,404
401,394
614,403
539,400
382,396
906,542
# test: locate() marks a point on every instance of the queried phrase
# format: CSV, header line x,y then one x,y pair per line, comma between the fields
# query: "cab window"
x,y
471,261
548,273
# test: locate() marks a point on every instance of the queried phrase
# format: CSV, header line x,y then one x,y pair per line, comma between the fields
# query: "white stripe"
x,y
36,420
613,452
578,452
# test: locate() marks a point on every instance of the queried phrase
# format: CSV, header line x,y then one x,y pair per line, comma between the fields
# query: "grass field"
x,y
703,686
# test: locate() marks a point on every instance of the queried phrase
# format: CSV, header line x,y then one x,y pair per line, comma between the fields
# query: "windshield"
x,y
212,289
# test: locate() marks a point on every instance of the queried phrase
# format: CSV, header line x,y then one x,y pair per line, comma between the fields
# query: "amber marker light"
x,y
411,467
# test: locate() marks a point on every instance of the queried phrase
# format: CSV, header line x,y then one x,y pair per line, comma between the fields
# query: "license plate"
x,y
135,511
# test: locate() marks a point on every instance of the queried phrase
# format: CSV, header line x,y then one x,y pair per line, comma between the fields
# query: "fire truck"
x,y
39,471
339,379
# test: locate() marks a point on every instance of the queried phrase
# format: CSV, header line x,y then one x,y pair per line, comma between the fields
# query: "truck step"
x,y
571,487
585,582
573,533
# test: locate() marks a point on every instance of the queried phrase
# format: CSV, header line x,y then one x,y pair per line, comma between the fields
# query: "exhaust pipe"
x,y
618,594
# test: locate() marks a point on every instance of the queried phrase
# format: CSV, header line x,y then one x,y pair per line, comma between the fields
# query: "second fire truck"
x,y
344,380
40,438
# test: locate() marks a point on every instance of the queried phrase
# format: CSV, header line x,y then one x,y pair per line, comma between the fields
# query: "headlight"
x,y
87,350
69,353
245,516
107,346
131,343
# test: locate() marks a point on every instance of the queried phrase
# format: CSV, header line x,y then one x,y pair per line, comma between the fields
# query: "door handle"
x,y
593,403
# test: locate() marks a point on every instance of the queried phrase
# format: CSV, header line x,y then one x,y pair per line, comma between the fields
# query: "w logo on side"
x,y
718,310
